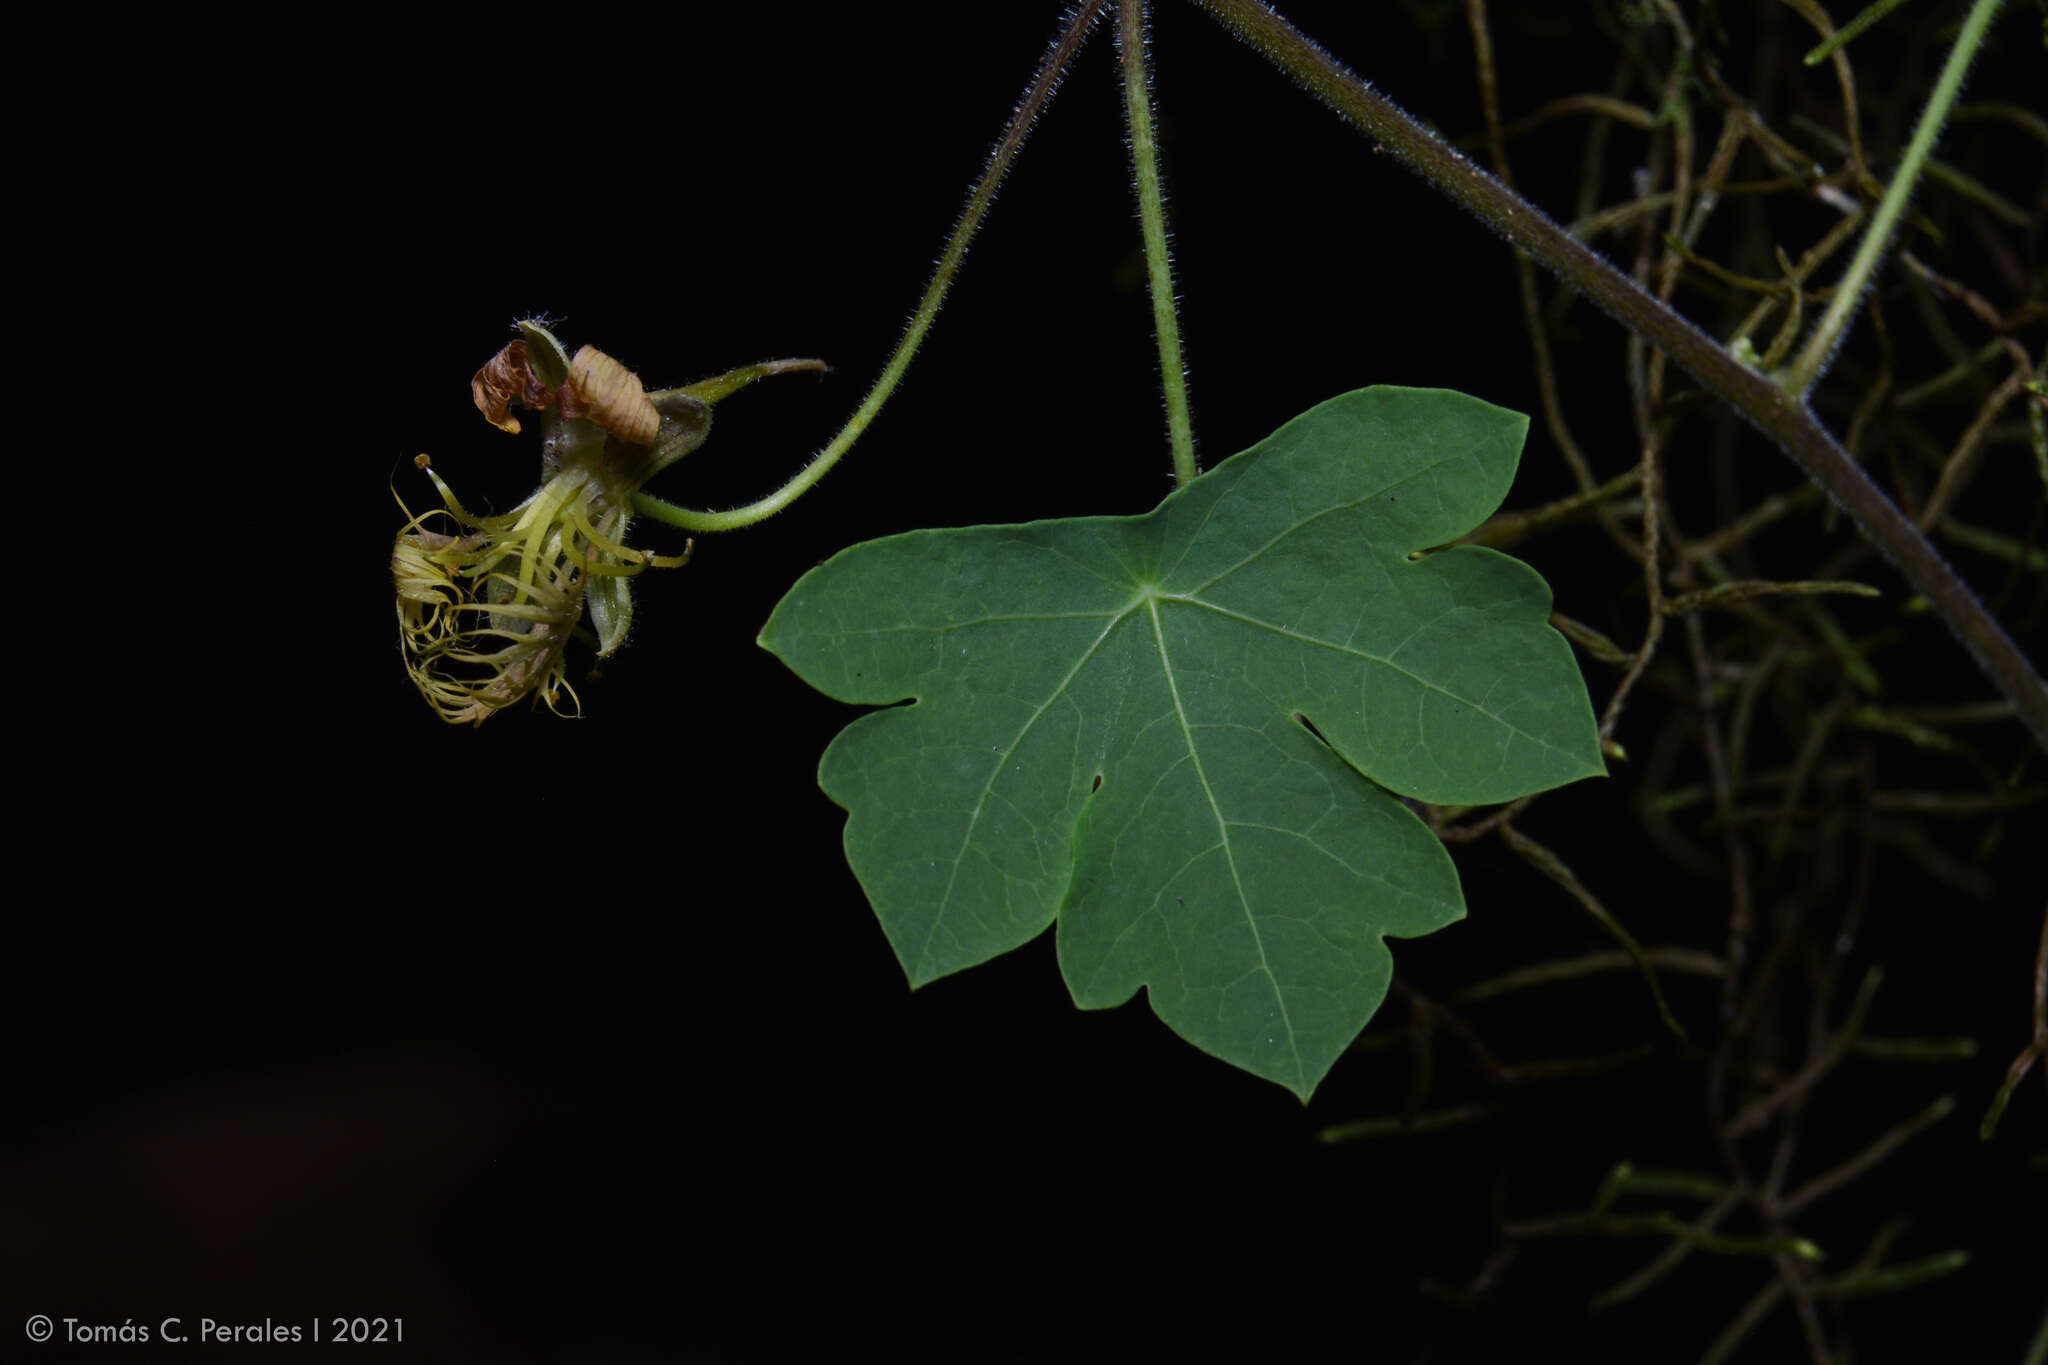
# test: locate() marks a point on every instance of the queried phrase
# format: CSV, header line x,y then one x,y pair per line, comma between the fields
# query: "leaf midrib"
x,y
1223,827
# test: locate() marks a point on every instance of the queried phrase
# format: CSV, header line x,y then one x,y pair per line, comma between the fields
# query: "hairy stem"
x,y
1152,217
1782,416
1036,96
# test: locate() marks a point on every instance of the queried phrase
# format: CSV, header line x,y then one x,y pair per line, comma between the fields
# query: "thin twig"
x,y
1690,960
1668,1259
1512,528
1525,269
1727,593
1759,1111
1890,1141
2035,1049
1551,866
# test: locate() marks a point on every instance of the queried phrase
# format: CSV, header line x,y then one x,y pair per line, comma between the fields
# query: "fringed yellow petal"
x,y
528,601
484,615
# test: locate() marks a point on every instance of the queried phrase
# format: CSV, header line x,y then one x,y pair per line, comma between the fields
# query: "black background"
x,y
576,1041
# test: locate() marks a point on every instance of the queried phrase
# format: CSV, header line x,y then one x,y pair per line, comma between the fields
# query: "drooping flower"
x,y
486,605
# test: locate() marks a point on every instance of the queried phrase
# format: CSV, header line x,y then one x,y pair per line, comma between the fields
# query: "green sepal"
x,y
610,602
550,363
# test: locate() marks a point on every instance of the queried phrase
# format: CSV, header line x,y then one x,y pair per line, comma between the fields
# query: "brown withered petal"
x,y
503,378
614,396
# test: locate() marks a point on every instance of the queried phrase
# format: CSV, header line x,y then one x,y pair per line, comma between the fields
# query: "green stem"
x,y
1036,96
1895,1277
1851,30
1395,1125
1664,1224
1890,1141
1152,216
1800,375
1780,415
1553,867
1745,589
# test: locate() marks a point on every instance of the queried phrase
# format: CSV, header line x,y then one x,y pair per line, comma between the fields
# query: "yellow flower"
x,y
486,605
485,609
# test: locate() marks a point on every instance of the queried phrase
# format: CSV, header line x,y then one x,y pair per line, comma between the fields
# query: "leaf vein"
x,y
1223,828
1002,759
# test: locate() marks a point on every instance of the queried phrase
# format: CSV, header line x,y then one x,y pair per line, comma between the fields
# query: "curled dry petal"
x,y
613,397
503,378
486,605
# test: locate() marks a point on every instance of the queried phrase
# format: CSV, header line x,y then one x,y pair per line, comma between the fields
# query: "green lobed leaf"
x,y
1108,729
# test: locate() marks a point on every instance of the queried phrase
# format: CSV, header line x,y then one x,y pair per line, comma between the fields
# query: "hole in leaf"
x,y
1303,722
1096,785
